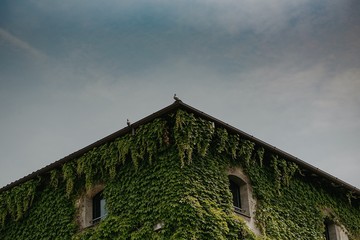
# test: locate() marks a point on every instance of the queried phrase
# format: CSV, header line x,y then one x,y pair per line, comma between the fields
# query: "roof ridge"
x,y
175,105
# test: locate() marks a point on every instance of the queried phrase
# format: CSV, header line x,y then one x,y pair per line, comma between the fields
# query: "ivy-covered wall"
x,y
174,170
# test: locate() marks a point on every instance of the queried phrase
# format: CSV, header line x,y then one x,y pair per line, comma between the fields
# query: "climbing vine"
x,y
16,202
283,171
54,178
191,134
173,170
69,175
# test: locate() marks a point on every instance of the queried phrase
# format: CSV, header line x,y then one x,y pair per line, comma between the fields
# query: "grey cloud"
x,y
18,43
283,71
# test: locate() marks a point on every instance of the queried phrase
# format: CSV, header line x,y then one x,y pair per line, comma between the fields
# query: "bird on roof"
x,y
128,122
176,98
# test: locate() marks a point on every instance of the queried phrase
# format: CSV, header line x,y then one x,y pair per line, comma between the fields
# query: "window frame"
x,y
85,207
98,212
332,228
247,202
333,231
244,206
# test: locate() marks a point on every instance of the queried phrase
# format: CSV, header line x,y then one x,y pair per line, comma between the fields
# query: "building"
x,y
179,174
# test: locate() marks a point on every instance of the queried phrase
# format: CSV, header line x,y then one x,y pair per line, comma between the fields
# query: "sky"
x,y
286,72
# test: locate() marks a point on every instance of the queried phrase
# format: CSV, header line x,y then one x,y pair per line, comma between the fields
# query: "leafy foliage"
x,y
173,170
50,217
15,202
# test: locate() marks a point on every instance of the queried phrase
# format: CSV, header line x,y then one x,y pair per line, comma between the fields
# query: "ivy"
x,y
88,165
173,170
51,216
283,171
246,151
123,147
17,201
69,175
291,207
192,133
223,138
113,161
234,145
260,155
54,178
147,141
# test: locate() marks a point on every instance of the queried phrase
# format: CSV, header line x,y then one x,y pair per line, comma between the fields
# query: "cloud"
x,y
284,71
230,15
18,43
337,102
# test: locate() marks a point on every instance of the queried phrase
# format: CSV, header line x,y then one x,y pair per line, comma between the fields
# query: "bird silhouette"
x,y
128,122
176,98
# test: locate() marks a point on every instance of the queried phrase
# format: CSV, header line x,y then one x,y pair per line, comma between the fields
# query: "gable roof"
x,y
306,167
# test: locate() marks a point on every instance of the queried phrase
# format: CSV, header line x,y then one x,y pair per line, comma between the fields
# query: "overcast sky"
x,y
287,72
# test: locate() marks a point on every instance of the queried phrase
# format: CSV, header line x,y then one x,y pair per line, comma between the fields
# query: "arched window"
x,y
240,197
332,231
98,207
92,207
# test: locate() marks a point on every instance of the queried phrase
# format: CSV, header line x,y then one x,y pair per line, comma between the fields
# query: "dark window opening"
x,y
235,191
327,232
99,208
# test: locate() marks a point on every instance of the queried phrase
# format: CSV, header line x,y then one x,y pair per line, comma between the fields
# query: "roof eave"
x,y
167,110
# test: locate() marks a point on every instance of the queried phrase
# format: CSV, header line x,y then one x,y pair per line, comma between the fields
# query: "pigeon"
x,y
128,122
176,98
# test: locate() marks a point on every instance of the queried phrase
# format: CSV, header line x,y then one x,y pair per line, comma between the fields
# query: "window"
x,y
92,207
235,191
240,197
327,231
333,231
98,207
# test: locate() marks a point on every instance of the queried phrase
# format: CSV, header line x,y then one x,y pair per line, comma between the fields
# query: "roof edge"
x,y
276,150
98,143
179,104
